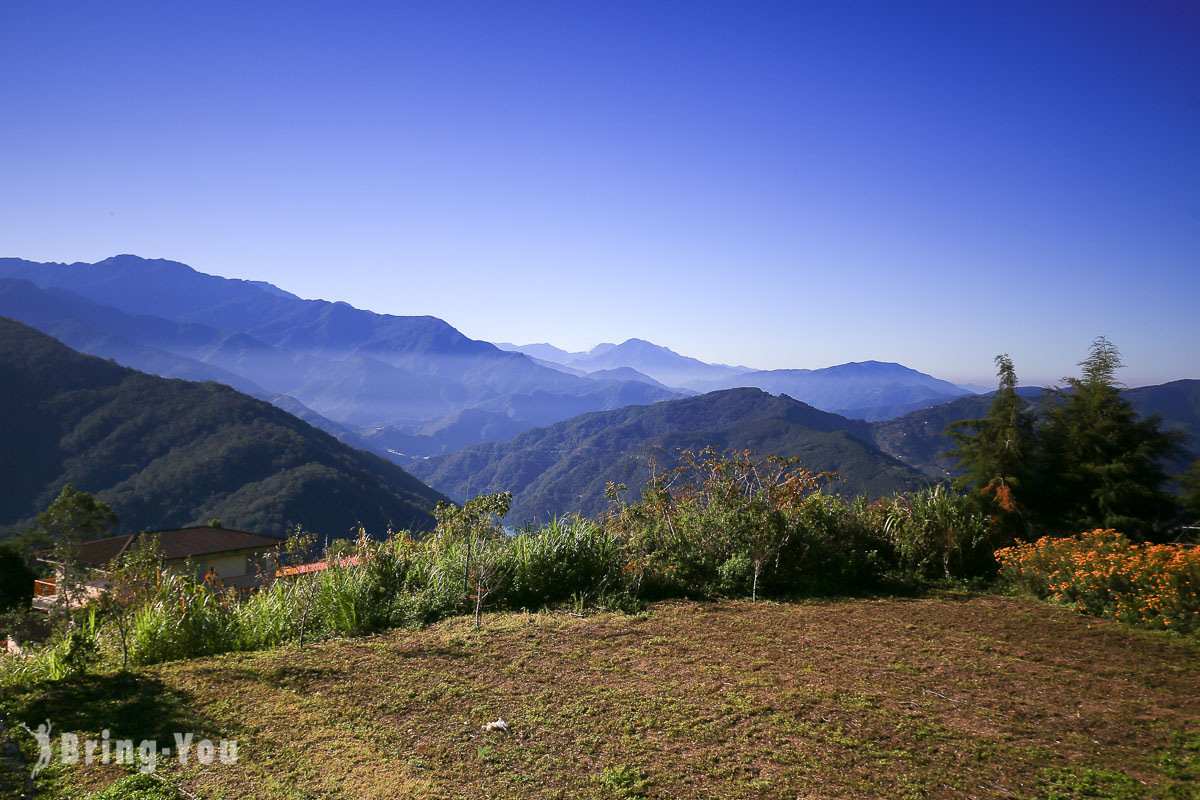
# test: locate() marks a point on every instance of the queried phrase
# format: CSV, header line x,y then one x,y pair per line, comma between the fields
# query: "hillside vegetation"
x,y
168,453
563,468
920,440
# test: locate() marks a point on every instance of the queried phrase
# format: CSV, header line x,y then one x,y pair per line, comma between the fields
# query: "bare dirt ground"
x,y
971,697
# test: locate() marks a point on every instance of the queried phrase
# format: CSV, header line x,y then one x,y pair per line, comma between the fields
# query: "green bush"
x,y
832,548
184,620
937,533
735,525
571,557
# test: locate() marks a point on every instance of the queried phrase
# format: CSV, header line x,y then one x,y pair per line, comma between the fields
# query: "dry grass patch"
x,y
980,697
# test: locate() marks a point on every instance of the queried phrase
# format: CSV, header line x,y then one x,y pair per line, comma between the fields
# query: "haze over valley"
x,y
469,417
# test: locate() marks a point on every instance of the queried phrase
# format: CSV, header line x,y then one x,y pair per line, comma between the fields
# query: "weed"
x,y
1075,784
624,781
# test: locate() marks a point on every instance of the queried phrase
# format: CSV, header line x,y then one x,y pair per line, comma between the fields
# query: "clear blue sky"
x,y
773,184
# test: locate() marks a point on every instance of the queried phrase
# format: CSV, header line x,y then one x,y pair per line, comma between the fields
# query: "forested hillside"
x,y
168,453
563,468
919,438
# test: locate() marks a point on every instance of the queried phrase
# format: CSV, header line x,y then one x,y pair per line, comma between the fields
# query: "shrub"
x,y
184,620
571,557
1105,574
938,533
833,547
737,524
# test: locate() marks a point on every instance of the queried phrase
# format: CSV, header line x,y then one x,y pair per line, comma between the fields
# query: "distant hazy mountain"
x,y
500,418
662,364
1177,401
631,374
144,343
169,453
356,368
868,390
542,350
563,468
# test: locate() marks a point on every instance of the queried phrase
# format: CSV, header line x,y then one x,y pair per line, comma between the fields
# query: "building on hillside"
x,y
230,558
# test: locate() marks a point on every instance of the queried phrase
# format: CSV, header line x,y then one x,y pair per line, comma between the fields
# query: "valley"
x,y
469,417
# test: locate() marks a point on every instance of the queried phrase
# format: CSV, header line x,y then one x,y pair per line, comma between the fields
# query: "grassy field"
x,y
964,697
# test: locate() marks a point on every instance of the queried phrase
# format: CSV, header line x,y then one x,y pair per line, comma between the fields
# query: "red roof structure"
x,y
316,566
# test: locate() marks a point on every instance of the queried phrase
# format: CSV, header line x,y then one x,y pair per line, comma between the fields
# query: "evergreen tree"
x,y
73,518
1103,465
16,580
996,453
1191,494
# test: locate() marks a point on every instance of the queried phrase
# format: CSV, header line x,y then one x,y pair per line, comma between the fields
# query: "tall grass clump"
x,y
356,593
185,619
71,651
268,617
433,582
736,525
568,558
937,533
1105,574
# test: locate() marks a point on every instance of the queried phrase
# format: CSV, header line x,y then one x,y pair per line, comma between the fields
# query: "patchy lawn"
x,y
980,697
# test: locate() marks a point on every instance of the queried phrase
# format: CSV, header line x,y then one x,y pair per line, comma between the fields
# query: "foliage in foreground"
x,y
398,582
1105,574
716,525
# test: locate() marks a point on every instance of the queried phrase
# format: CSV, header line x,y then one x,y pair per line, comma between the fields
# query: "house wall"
x,y
226,565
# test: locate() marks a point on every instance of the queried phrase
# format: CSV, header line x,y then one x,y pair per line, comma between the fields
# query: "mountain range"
x,y
403,387
564,467
869,390
172,453
402,380
466,415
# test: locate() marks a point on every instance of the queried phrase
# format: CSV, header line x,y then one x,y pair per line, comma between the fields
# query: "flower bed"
x,y
1105,574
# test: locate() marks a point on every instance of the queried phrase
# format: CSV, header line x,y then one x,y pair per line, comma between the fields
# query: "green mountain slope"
x,y
170,453
918,438
563,468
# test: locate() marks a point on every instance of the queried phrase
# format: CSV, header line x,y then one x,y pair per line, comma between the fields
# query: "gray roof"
x,y
201,540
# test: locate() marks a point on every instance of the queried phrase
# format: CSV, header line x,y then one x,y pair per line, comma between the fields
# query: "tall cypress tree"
x,y
1103,466
996,453
1191,494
